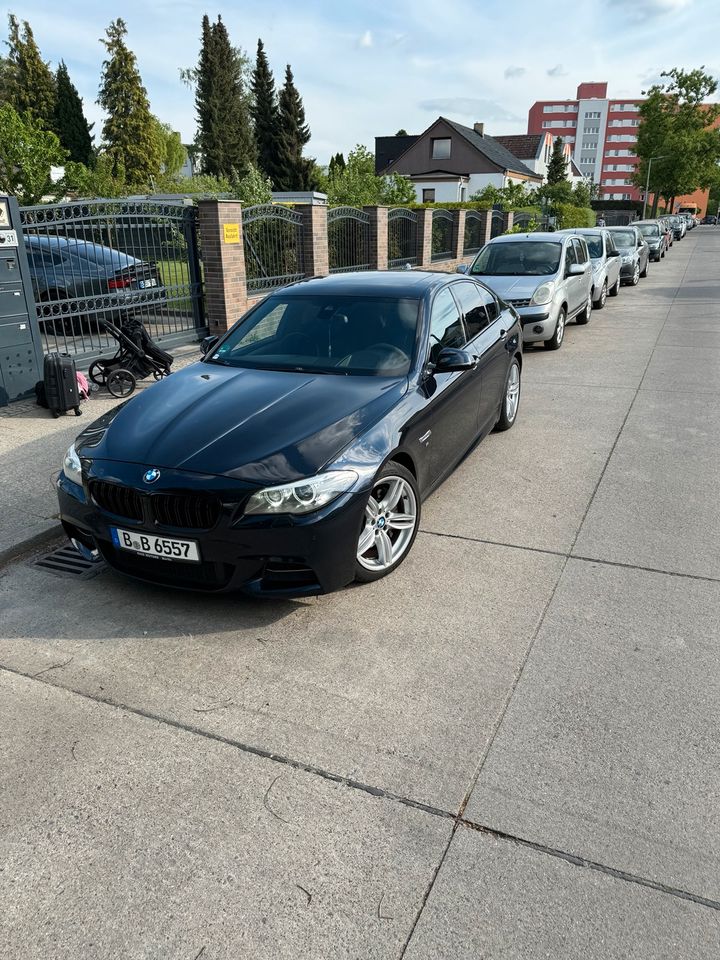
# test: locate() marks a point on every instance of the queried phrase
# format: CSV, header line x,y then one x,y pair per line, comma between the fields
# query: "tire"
x,y
615,290
97,373
635,279
555,341
584,316
121,383
510,406
647,267
387,545
603,297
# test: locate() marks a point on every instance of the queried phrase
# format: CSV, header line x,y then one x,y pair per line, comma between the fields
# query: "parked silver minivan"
x,y
605,261
546,277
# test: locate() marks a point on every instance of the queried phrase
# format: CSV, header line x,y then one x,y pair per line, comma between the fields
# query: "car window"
x,y
42,258
570,256
612,250
580,251
446,329
595,246
472,306
492,307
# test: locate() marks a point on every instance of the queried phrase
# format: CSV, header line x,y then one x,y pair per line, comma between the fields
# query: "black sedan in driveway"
x,y
294,457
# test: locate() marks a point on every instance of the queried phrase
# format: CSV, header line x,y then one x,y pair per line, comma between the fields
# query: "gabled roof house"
x,y
449,162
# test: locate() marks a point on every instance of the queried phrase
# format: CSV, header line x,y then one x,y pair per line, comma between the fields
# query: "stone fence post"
x,y
223,257
458,241
378,237
316,262
424,238
509,219
488,226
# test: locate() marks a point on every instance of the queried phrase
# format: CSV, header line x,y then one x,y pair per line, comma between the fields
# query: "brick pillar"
x,y
509,218
488,226
316,262
458,234
424,238
378,238
223,257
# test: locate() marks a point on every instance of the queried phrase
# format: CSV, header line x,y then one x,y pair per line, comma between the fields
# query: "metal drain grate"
x,y
68,562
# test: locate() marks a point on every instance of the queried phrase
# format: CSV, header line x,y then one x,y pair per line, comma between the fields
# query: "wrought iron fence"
x,y
110,260
273,240
348,239
524,219
402,238
474,232
442,235
497,224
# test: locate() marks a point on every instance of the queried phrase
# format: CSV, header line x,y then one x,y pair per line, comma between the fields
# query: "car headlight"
x,y
628,257
543,294
72,467
303,496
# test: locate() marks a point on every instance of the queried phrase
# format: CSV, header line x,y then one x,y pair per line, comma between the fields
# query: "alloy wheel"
x,y
560,329
391,515
512,394
603,295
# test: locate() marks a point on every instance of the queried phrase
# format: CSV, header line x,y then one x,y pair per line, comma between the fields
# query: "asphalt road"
x,y
509,749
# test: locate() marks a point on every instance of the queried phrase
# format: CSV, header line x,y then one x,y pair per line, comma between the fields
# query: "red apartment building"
x,y
602,134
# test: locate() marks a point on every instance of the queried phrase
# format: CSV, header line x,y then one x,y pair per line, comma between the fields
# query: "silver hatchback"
x,y
546,277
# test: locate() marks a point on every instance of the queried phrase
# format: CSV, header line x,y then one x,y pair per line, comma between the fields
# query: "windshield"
x,y
361,336
649,230
624,238
521,258
595,245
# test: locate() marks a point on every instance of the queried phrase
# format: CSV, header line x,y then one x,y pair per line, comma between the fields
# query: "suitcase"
x,y
61,387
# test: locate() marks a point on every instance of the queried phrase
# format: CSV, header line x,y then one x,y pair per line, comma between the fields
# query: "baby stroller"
x,y
137,357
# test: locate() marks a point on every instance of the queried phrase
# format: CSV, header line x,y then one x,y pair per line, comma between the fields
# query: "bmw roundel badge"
x,y
151,475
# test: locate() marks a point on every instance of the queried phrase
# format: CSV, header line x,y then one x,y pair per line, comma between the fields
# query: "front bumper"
x,y
263,556
627,270
537,323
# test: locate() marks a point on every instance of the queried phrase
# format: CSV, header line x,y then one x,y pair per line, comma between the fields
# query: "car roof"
x,y
584,231
414,284
533,237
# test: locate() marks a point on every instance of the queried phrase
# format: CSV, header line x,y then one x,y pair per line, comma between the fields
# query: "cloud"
x,y
514,72
366,40
557,71
640,11
468,107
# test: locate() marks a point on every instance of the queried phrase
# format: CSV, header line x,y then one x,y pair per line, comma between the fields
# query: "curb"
x,y
50,531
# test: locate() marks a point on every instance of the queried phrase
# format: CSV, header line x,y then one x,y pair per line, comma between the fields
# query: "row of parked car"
x,y
553,278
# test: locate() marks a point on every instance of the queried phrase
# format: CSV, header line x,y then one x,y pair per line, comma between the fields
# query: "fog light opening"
x,y
537,328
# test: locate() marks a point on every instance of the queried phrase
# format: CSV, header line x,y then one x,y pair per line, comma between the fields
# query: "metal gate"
x,y
348,239
497,223
107,260
402,238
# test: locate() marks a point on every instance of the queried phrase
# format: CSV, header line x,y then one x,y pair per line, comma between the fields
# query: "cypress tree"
x,y
69,121
293,171
128,132
224,138
557,168
336,165
32,85
266,117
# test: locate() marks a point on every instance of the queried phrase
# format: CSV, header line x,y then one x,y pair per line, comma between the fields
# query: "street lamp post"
x,y
647,182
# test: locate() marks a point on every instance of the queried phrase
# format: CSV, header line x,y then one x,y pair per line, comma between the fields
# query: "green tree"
x,y
129,130
27,152
172,152
402,132
294,171
677,134
224,137
103,179
265,116
253,188
31,82
69,120
557,167
336,165
356,185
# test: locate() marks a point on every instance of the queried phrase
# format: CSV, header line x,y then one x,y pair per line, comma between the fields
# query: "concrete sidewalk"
x,y
32,445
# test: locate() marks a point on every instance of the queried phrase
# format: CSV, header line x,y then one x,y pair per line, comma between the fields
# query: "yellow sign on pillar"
x,y
231,232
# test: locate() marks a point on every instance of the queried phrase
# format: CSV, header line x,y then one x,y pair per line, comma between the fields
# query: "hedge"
x,y
570,216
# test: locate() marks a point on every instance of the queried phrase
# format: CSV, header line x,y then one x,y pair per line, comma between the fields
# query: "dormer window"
x,y
441,148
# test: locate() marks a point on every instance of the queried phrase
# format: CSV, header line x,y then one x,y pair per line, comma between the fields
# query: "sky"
x,y
368,69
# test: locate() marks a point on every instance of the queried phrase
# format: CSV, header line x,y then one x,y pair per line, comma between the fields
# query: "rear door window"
x,y
446,328
472,305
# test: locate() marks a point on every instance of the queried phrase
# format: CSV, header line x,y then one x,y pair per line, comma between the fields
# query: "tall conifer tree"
x,y
128,132
294,171
31,83
557,168
69,121
266,117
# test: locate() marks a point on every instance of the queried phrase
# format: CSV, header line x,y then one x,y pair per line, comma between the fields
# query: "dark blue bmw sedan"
x,y
294,457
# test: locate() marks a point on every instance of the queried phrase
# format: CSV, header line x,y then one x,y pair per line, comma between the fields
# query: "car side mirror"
x,y
576,269
206,344
450,359
462,268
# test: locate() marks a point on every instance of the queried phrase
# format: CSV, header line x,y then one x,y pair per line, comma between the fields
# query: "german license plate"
x,y
148,545
144,284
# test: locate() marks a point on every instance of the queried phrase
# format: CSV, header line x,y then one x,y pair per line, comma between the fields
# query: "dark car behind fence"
x,y
97,260
273,243
348,239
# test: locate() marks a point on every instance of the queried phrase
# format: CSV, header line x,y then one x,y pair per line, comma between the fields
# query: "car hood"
x,y
256,425
520,288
